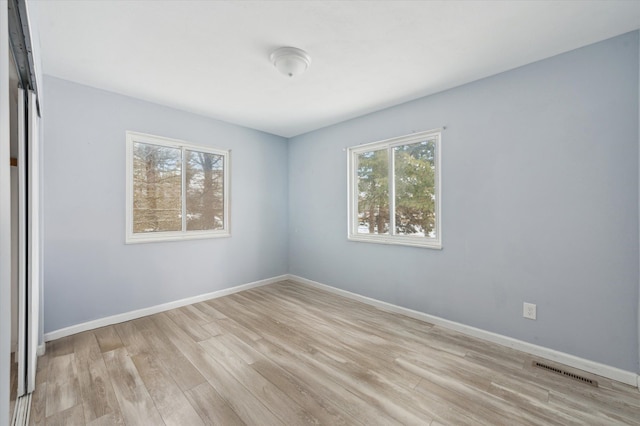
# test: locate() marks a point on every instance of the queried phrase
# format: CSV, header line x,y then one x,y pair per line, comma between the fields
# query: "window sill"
x,y
174,236
397,240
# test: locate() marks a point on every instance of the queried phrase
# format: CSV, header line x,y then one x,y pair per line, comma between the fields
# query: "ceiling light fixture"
x,y
290,61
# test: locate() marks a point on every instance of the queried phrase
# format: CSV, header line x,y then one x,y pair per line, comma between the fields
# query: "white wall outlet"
x,y
529,311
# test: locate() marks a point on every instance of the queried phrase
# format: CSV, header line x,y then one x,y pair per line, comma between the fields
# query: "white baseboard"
x,y
127,316
627,377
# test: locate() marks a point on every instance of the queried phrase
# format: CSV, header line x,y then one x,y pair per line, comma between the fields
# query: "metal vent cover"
x,y
563,372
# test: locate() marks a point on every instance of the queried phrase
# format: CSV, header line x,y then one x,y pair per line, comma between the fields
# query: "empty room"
x,y
319,212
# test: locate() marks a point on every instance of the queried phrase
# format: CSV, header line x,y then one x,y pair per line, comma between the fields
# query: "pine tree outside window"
x,y
394,191
175,190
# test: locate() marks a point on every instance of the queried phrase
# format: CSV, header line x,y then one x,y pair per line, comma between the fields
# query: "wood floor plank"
x,y
270,395
236,328
337,396
213,328
70,416
111,419
241,400
288,353
352,365
41,369
194,330
13,379
62,346
108,338
133,398
98,397
484,407
344,347
37,414
169,399
13,385
597,410
304,395
211,407
167,396
38,398
320,408
533,408
209,310
131,338
183,372
197,316
63,390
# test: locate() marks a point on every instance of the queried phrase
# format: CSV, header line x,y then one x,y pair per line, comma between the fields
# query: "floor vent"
x,y
565,373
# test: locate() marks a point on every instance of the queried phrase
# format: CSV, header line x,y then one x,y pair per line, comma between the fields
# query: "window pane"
x,y
157,186
415,189
373,192
205,191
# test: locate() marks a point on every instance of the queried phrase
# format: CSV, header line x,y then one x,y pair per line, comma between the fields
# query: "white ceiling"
x,y
212,57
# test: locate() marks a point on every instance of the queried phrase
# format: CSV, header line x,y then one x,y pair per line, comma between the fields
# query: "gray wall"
x,y
89,272
540,204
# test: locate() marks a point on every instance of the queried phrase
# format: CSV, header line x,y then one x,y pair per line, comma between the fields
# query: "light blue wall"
x,y
89,272
539,204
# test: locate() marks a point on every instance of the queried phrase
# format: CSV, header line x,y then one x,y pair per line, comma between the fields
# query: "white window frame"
x,y
352,191
184,234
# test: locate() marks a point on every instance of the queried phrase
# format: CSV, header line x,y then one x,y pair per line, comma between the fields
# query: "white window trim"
x,y
133,238
352,191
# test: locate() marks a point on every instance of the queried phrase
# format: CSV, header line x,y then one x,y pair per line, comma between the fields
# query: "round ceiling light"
x,y
290,61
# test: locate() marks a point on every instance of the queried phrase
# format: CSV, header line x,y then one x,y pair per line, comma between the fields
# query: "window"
x,y
394,191
175,190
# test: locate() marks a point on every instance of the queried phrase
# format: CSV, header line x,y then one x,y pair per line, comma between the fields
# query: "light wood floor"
x,y
13,384
287,354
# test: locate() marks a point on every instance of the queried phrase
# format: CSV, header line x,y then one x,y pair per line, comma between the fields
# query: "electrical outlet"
x,y
529,311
